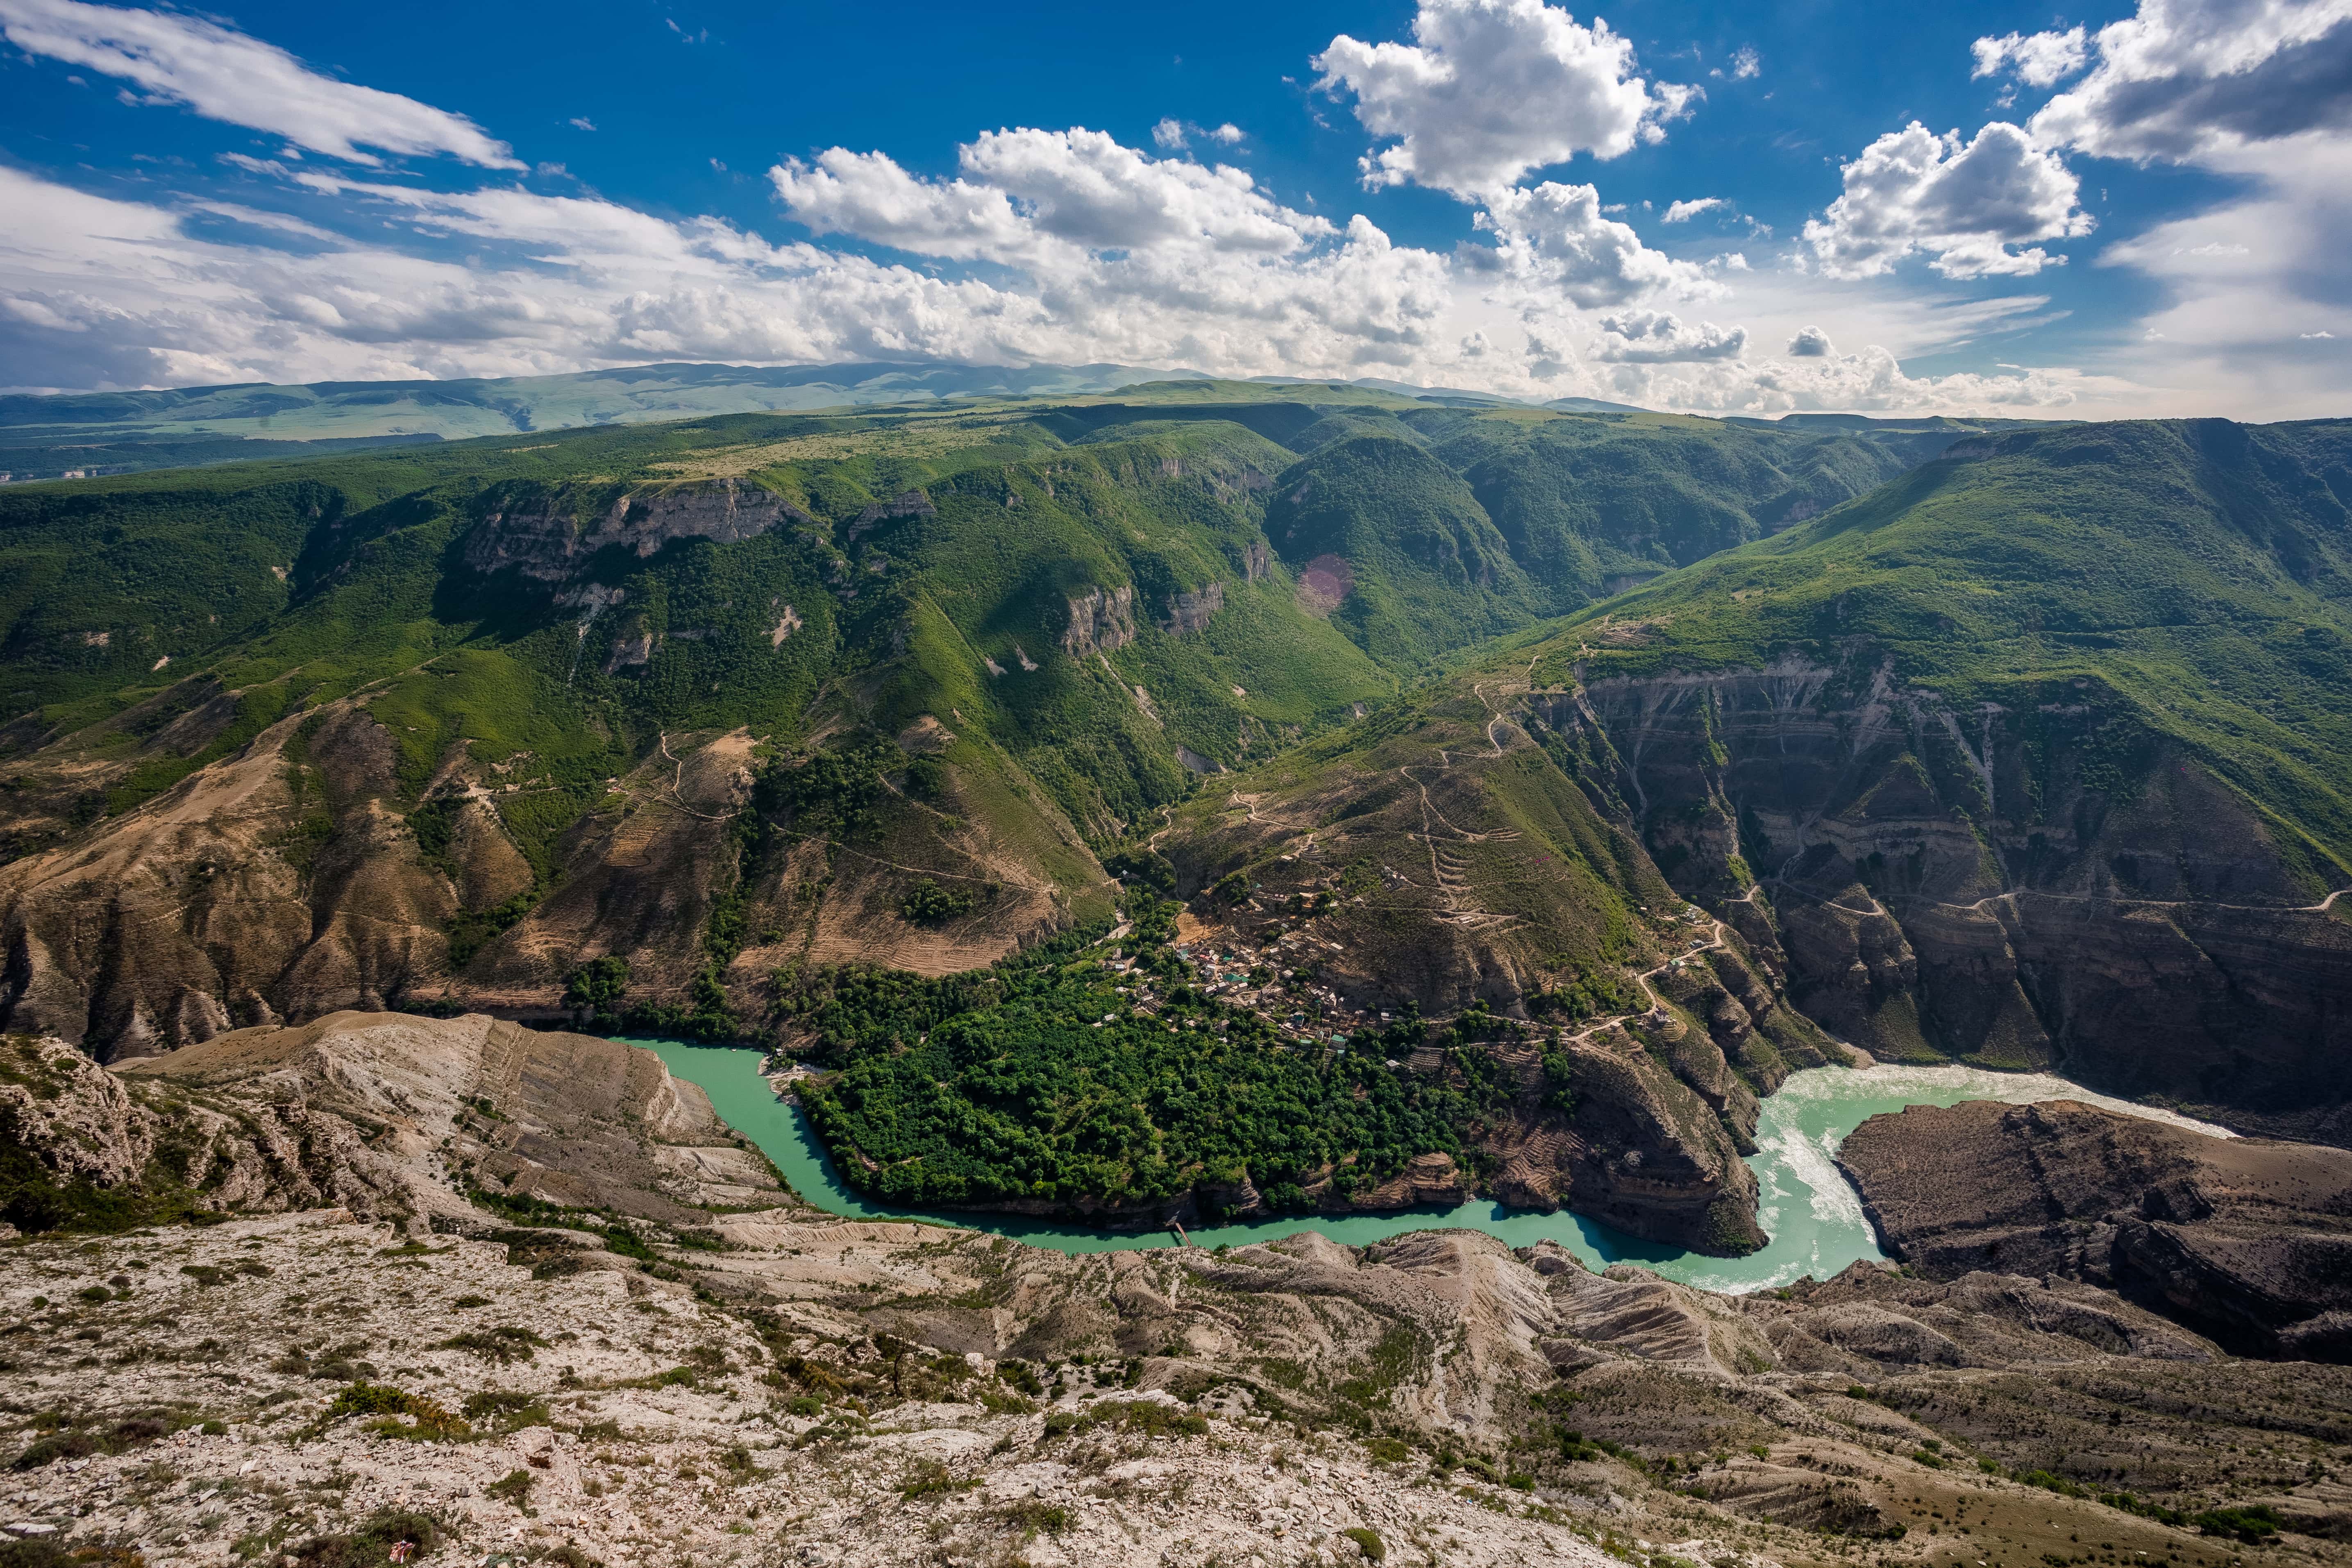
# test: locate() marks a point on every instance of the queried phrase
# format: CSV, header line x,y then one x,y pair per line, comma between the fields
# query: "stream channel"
x,y
1807,1207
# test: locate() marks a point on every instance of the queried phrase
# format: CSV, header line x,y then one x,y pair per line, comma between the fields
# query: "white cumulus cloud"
x,y
1490,90
2038,59
2259,92
1682,211
1554,238
867,194
2190,80
225,75
1025,196
1176,135
95,290
1655,337
1040,245
1965,204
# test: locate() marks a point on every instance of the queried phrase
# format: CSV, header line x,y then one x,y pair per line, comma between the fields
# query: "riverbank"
x,y
1810,1212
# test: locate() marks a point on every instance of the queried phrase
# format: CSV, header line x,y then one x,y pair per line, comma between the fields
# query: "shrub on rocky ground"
x,y
508,1411
1033,1518
373,1543
428,1421
65,1437
46,1551
502,1344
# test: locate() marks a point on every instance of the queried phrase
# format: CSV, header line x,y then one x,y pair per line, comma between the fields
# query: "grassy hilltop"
x,y
328,575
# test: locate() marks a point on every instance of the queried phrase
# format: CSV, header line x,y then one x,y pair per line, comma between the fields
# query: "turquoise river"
x,y
1812,1214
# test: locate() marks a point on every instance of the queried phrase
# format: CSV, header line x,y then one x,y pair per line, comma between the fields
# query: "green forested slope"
x,y
2199,571
1589,504
1423,569
334,573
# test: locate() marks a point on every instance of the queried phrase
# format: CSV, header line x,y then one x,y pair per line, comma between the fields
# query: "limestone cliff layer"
x,y
552,536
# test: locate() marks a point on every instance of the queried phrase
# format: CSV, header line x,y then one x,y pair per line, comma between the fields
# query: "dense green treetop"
x,y
1042,1080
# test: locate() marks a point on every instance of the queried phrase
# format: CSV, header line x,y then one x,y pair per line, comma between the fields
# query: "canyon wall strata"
x,y
1454,867
2045,885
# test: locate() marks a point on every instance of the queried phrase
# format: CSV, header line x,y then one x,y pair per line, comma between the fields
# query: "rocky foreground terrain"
x,y
507,1296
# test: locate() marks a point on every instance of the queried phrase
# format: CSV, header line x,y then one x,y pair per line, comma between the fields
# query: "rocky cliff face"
x,y
905,504
2242,1239
380,1114
1099,620
551,537
1102,619
1189,612
2052,886
1640,1147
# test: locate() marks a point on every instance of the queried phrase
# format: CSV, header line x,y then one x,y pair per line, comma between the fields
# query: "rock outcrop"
x,y
1191,611
1099,620
2246,1240
552,536
905,504
382,1114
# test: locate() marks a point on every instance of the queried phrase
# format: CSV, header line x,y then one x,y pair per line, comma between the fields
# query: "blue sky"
x,y
2131,209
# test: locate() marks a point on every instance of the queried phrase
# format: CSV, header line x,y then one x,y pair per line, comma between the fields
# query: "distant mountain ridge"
x,y
49,435
88,434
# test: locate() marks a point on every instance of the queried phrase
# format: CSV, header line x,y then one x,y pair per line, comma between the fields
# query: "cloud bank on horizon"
x,y
375,236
